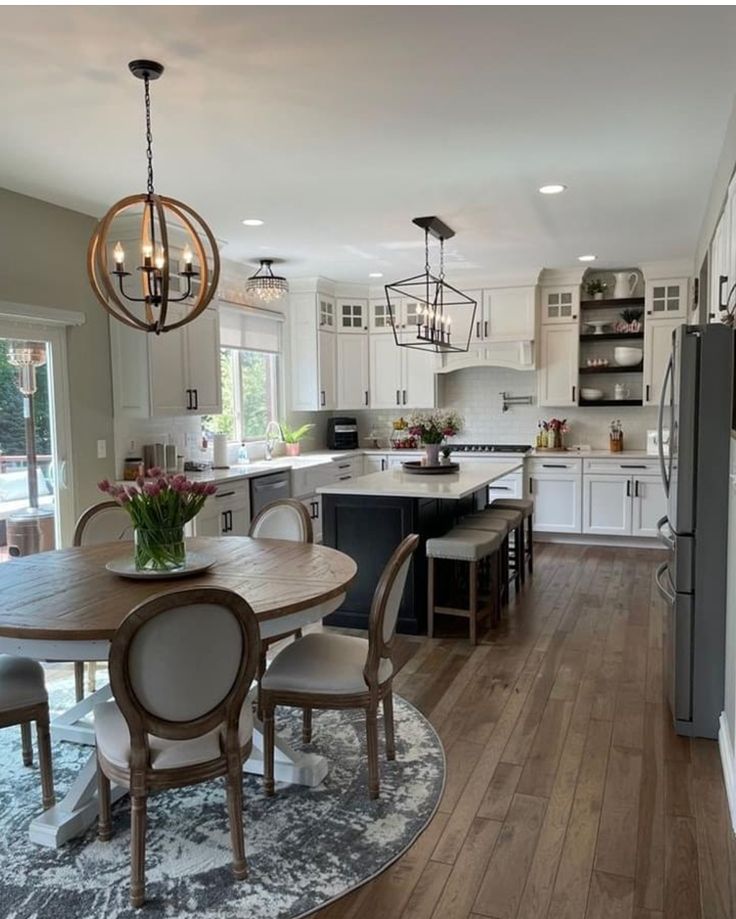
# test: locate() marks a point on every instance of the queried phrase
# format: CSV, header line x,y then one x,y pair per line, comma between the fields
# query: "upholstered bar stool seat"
x,y
23,699
474,546
526,506
484,521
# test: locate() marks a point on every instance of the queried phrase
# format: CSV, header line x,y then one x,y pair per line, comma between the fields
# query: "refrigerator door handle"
x,y
660,436
668,595
667,540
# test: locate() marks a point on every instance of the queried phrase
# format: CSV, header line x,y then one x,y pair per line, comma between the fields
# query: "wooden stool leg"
x,y
498,591
25,743
517,560
268,744
530,540
473,605
44,760
137,850
235,813
388,722
92,675
79,680
505,549
430,597
104,819
307,725
371,730
522,553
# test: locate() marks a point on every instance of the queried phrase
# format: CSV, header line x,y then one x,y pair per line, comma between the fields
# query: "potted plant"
x,y
630,321
432,428
596,288
292,437
159,508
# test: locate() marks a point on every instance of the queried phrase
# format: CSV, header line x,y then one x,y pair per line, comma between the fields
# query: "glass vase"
x,y
432,454
159,548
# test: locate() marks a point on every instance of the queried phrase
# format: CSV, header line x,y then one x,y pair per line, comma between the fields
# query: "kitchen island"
x,y
367,517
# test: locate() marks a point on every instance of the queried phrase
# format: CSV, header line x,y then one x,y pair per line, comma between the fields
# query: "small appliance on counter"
x,y
342,434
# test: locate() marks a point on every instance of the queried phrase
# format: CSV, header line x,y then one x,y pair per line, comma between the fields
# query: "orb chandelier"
x,y
444,315
179,264
265,284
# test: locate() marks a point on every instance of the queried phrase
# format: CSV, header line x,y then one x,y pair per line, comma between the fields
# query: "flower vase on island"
x,y
431,429
159,508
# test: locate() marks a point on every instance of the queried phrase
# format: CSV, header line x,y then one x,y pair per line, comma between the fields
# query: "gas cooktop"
x,y
491,448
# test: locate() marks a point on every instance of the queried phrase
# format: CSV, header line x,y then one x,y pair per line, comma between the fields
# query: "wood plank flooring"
x,y
568,794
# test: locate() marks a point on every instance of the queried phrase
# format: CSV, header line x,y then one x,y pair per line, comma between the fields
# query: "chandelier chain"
x,y
149,135
442,259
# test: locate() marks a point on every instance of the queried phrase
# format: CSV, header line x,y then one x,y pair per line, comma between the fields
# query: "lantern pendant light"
x,y
444,316
179,260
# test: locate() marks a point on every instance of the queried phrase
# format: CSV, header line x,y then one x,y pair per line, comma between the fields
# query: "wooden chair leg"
x,y
371,730
530,540
262,664
235,812
518,561
430,597
473,604
92,676
79,680
307,725
138,850
25,743
104,818
268,745
388,724
44,760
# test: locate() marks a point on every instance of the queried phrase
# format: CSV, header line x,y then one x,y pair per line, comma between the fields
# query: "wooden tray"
x,y
416,468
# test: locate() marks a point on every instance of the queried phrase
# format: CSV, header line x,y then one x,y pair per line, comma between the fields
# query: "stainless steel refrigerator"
x,y
696,406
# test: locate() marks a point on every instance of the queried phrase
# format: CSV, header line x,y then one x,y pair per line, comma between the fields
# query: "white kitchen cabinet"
x,y
560,305
327,351
418,388
509,313
374,463
352,315
313,352
326,312
557,500
227,512
405,314
558,364
352,371
607,506
400,377
657,350
649,505
175,373
720,270
666,299
313,504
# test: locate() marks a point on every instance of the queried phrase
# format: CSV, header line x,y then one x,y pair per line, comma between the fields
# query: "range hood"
x,y
511,354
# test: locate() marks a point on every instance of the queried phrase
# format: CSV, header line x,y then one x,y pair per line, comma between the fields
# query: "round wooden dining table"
x,y
66,606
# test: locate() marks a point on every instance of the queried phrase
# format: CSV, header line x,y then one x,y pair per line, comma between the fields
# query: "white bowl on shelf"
x,y
591,395
627,357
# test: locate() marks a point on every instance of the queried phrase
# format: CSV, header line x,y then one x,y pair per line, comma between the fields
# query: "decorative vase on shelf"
x,y
159,549
598,295
625,284
432,454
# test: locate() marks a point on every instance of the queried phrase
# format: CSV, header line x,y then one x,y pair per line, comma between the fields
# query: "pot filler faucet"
x,y
271,439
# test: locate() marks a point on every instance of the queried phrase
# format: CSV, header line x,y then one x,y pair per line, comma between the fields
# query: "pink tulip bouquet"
x,y
159,507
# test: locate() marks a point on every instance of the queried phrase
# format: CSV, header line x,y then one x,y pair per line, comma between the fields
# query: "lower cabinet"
x,y
557,501
622,505
649,506
226,513
313,504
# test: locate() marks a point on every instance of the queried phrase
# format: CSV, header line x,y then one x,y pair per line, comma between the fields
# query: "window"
x,y
251,373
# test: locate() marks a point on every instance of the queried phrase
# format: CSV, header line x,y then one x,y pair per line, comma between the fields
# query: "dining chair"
x,y
181,664
327,670
23,699
103,522
282,519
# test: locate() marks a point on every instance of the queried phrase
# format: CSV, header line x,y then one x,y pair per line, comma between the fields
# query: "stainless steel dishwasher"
x,y
272,486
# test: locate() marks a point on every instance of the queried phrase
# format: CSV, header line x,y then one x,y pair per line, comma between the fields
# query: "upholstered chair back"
x,y
385,607
284,519
103,522
181,663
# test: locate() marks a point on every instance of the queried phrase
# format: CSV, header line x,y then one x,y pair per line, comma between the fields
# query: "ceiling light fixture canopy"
x,y
265,284
444,315
179,261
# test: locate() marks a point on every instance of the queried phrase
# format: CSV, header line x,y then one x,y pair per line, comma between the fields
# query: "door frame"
x,y
38,324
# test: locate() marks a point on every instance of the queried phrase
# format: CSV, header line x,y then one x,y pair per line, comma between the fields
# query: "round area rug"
x,y
305,846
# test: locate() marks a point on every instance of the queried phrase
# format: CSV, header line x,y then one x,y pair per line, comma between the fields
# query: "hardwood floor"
x,y
568,796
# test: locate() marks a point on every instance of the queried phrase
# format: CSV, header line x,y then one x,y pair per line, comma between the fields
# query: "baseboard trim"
x,y
591,539
725,746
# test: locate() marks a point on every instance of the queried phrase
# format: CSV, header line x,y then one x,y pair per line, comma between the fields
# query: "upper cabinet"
x,y
666,299
326,312
313,352
560,304
352,372
657,350
405,314
401,377
352,315
558,372
176,373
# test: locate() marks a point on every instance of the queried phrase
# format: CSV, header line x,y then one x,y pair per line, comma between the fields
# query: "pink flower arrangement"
x,y
555,424
160,501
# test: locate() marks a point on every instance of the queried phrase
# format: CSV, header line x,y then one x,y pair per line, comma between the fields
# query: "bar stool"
x,y
515,520
483,521
526,506
462,545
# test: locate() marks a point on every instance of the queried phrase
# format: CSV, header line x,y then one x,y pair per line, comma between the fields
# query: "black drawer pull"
x,y
554,466
343,477
224,494
632,466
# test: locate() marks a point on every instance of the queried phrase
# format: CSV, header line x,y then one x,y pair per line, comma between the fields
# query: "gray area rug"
x,y
305,847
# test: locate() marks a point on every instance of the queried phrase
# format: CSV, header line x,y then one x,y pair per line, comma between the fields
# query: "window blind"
x,y
250,329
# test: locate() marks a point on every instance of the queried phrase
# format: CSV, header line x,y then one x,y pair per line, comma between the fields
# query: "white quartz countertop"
x,y
594,454
395,483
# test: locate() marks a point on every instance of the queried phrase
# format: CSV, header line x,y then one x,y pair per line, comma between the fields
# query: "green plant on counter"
x,y
291,435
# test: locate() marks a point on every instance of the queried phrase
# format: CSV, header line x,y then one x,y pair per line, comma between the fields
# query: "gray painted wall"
x,y
719,187
42,263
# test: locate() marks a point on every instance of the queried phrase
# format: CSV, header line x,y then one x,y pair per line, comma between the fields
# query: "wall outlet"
x,y
101,449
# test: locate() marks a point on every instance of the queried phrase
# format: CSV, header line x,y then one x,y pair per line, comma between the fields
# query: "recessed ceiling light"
x,y
587,258
551,189
252,222
376,274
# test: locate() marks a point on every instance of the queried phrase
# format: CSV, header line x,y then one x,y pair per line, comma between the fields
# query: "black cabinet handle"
x,y
573,393
531,482
628,488
343,477
322,398
316,510
224,494
383,465
485,329
647,395
404,397
477,329
636,488
343,465
398,397
196,399
632,466
366,397
722,281
189,399
554,465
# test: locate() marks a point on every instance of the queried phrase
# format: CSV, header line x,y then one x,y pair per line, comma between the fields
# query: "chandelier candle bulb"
x,y
119,256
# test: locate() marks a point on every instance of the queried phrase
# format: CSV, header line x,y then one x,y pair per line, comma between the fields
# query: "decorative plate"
x,y
416,468
196,563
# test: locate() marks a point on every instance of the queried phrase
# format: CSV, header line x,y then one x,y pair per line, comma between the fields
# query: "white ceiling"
x,y
337,125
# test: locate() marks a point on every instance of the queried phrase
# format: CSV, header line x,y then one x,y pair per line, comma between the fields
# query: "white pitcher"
x,y
626,282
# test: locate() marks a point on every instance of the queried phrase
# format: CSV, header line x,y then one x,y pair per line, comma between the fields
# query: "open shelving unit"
x,y
611,304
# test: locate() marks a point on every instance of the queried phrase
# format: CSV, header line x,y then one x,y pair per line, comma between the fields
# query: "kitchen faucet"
x,y
270,439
